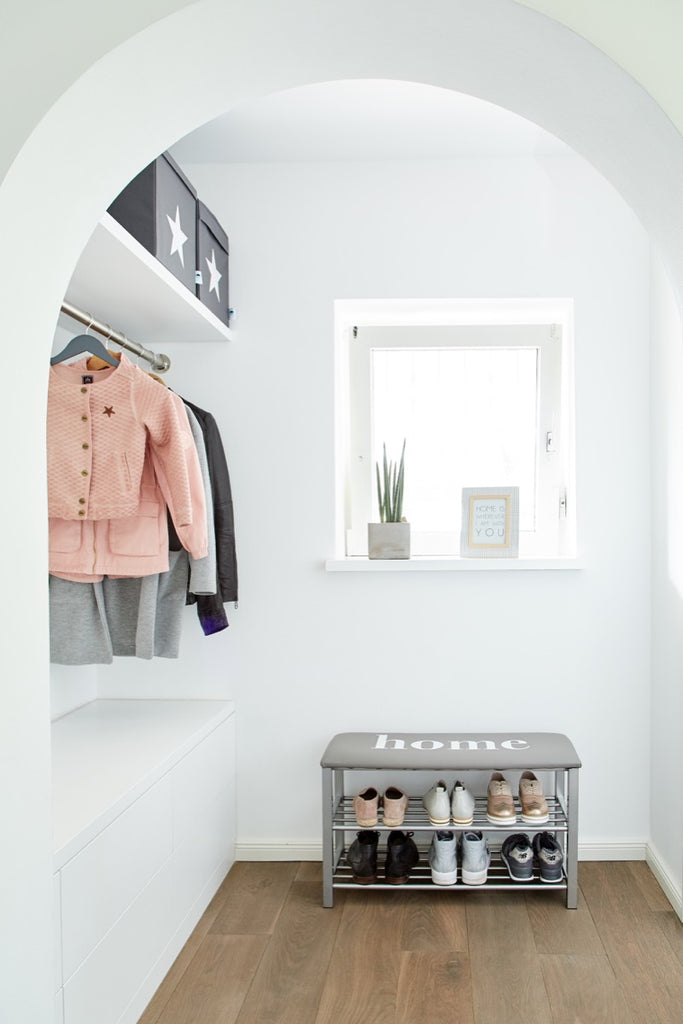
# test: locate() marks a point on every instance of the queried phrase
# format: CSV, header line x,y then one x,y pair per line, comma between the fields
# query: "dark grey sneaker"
x,y
548,857
518,857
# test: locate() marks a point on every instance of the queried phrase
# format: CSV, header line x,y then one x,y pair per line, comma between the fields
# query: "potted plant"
x,y
390,537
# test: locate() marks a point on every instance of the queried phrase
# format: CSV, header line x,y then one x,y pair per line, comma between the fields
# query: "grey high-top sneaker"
x,y
475,858
443,858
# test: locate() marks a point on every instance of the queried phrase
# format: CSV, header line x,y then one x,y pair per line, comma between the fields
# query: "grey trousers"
x,y
92,623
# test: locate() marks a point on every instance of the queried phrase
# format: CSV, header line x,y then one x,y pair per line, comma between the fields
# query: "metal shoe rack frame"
x,y
340,826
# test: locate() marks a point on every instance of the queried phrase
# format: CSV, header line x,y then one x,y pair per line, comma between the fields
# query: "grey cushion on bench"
x,y
496,751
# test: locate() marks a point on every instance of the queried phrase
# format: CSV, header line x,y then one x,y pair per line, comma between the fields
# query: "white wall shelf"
x,y
122,284
453,564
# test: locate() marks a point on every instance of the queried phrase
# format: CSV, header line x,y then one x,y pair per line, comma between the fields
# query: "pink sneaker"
x,y
365,806
395,805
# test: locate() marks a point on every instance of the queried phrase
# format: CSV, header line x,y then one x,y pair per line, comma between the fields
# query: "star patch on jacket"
x,y
109,411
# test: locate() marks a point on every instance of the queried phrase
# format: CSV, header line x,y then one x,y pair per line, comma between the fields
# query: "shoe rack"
x,y
350,757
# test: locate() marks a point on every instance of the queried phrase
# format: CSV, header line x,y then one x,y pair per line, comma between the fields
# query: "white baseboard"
x,y
299,849
610,849
311,849
672,891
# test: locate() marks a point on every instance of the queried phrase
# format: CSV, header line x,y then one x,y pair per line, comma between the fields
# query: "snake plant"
x,y
390,487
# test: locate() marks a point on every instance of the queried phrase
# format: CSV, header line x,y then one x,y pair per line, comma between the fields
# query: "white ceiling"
x,y
364,120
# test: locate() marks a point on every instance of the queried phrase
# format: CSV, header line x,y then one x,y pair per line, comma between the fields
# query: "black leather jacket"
x,y
210,608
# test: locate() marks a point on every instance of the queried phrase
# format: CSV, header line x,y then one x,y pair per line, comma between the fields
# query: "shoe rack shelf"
x,y
416,821
350,754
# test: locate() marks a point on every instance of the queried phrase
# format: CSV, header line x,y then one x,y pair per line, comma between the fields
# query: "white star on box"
x,y
214,274
178,235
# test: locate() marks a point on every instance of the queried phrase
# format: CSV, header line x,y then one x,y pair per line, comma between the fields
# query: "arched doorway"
x,y
130,107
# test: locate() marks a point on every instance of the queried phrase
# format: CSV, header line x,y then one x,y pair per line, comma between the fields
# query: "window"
x,y
484,402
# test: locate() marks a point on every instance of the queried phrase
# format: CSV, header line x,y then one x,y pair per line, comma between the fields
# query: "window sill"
x,y
422,563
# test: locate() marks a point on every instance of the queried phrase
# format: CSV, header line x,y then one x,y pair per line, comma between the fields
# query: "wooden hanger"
x,y
97,363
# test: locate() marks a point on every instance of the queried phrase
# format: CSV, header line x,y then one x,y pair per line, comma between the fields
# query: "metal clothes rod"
x,y
159,362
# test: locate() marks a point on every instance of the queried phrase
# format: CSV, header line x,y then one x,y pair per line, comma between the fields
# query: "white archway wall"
x,y
133,107
643,37
46,46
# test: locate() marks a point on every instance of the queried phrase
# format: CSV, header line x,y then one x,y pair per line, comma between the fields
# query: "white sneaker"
x,y
462,805
437,804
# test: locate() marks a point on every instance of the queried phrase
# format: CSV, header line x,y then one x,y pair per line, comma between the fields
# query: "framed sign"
x,y
490,522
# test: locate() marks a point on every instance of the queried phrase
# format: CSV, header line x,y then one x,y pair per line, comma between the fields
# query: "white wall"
x,y
310,653
666,816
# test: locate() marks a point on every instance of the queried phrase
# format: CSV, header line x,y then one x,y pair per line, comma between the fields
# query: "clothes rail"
x,y
159,362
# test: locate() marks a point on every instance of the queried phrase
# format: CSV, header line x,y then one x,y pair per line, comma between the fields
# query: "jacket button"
x,y
84,391
84,418
81,512
81,501
84,472
85,446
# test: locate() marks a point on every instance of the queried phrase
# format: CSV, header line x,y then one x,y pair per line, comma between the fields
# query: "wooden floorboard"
x,y
254,896
362,977
642,958
555,930
216,982
508,987
671,928
498,923
432,922
434,987
287,985
267,952
583,988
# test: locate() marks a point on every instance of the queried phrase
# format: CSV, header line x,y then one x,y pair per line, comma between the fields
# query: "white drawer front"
x,y
203,779
57,931
100,883
204,814
212,845
108,980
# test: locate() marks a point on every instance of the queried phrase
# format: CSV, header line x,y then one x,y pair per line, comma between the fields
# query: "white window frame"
x,y
550,329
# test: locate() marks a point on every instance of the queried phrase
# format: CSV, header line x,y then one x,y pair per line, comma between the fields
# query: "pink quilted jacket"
x,y
120,450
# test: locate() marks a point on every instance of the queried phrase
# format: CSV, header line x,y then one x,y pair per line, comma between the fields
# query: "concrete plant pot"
x,y
388,540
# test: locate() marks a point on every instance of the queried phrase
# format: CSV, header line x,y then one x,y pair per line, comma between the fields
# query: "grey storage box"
x,y
212,264
159,209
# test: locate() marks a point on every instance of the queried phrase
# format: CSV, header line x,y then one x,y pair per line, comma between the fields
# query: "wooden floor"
x,y
266,951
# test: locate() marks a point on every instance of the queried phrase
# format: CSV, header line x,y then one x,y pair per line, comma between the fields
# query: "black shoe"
x,y
402,855
362,857
518,857
548,857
